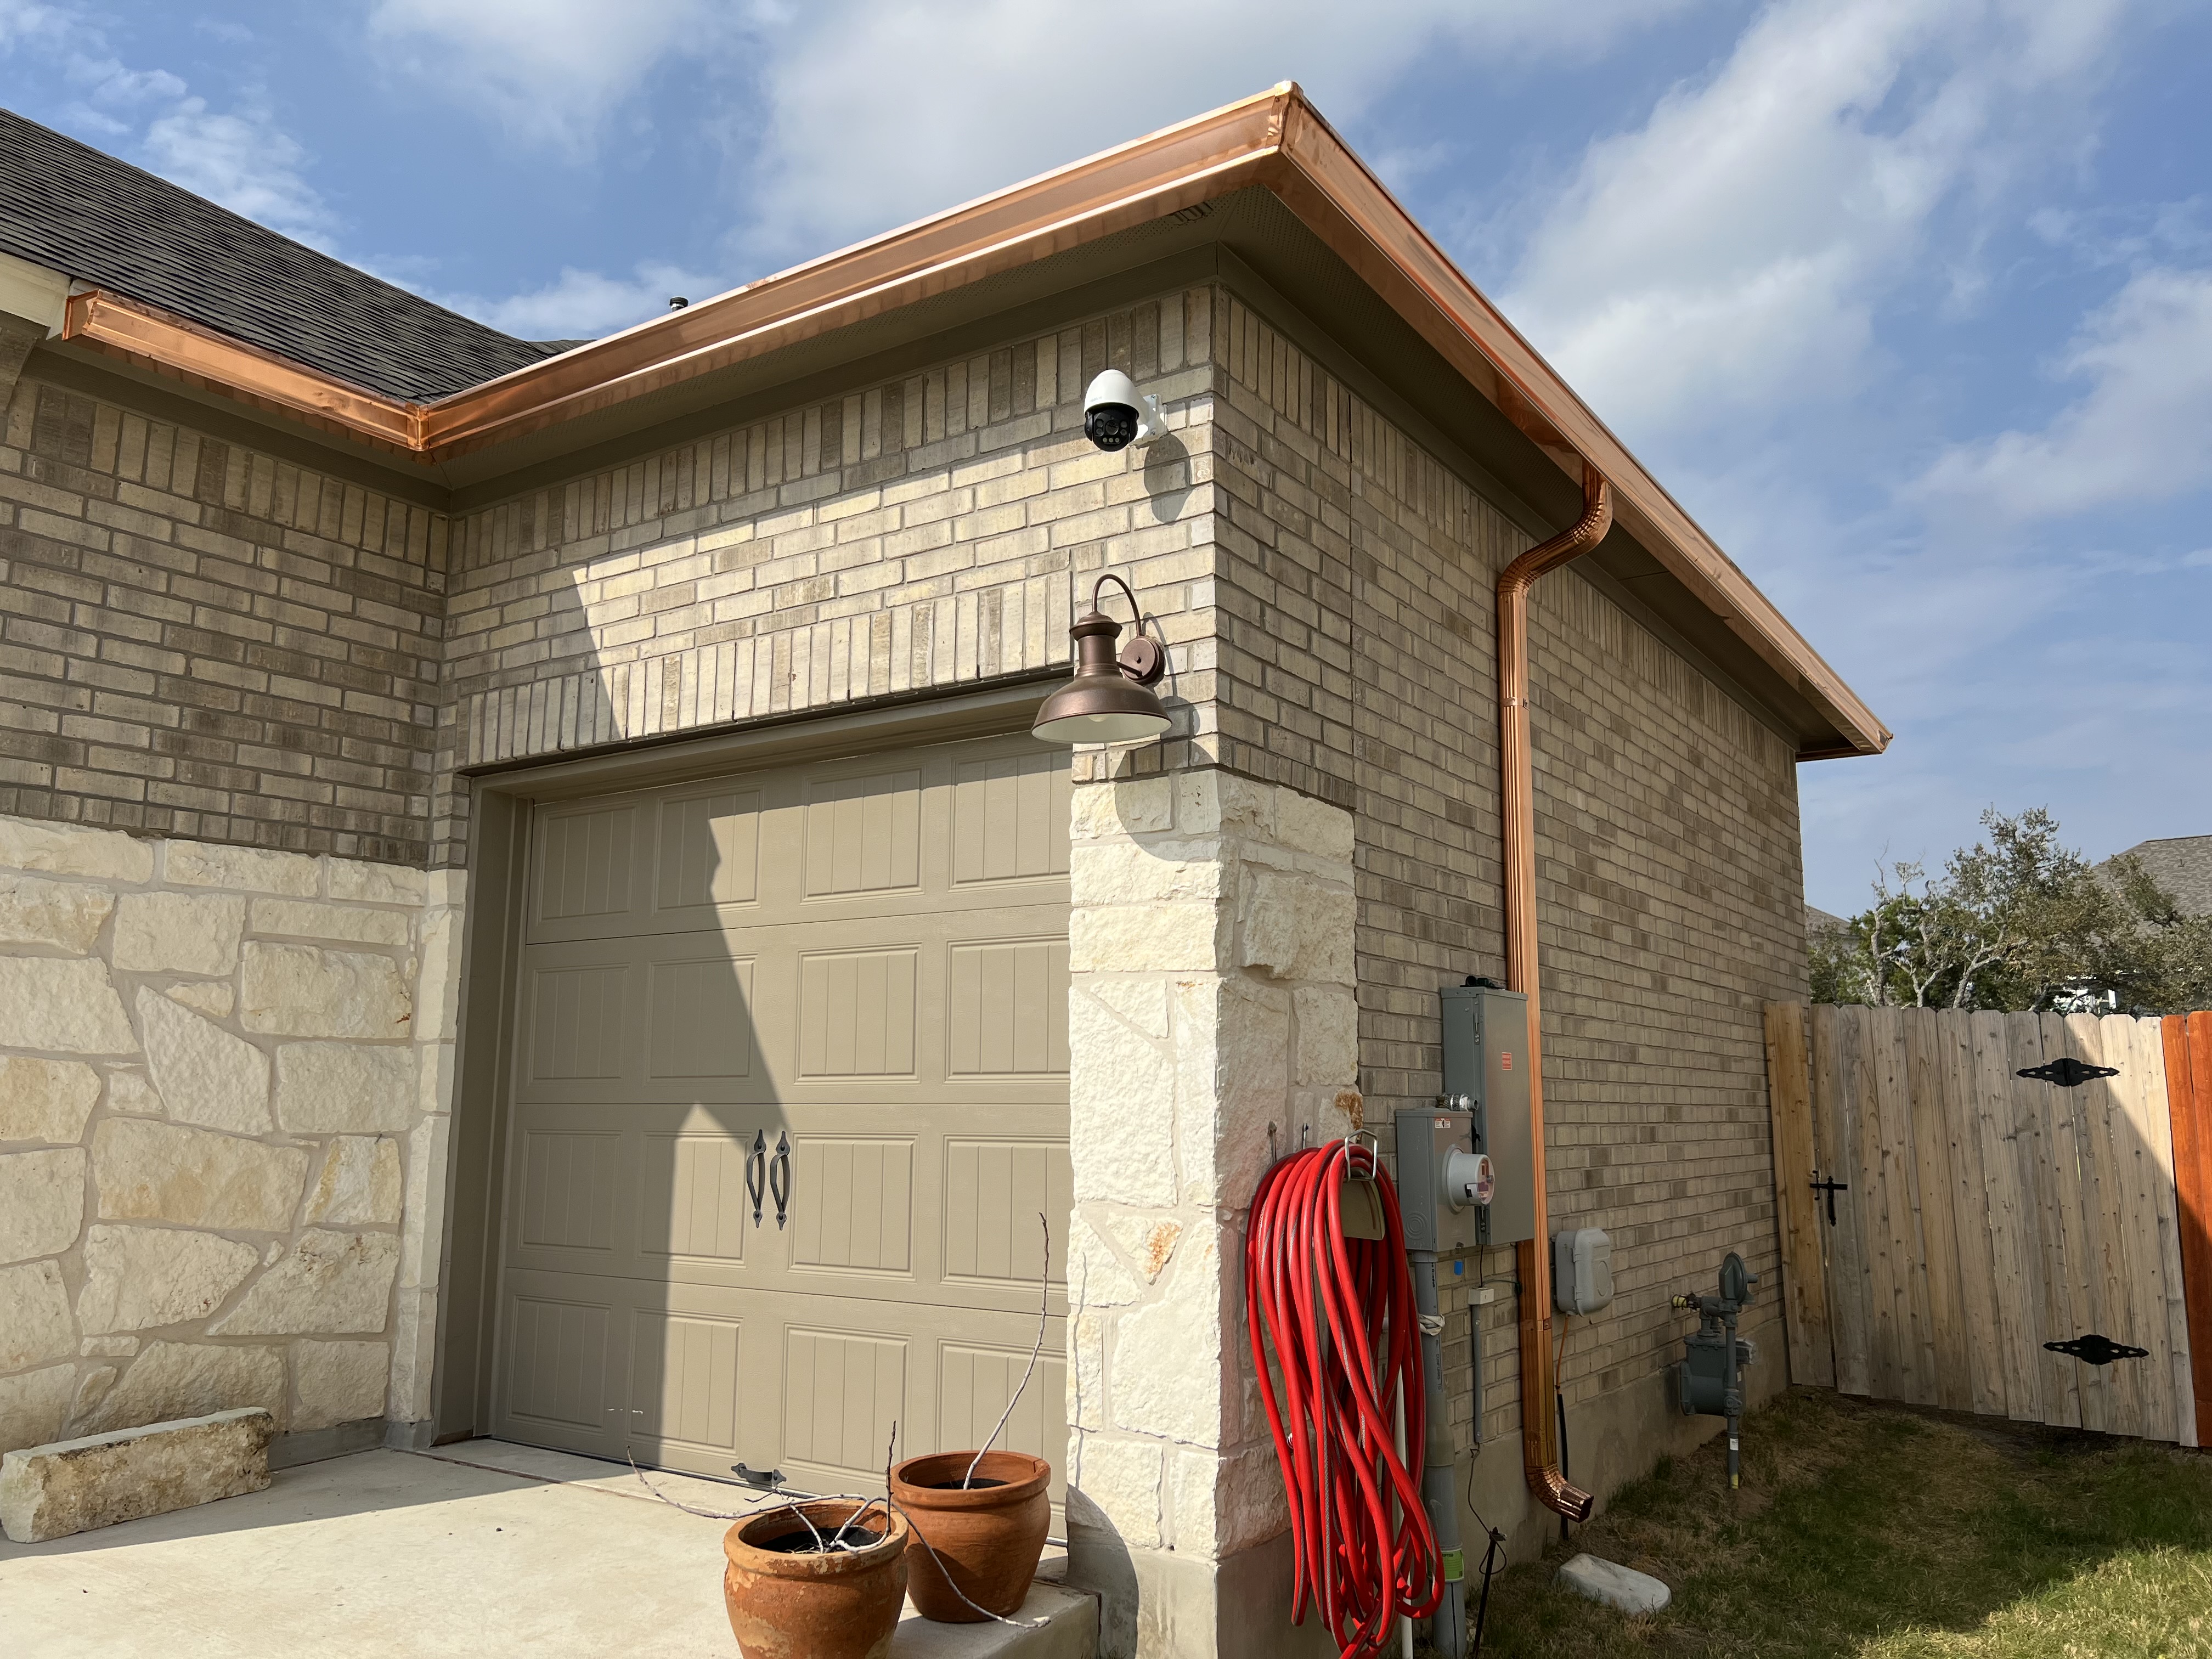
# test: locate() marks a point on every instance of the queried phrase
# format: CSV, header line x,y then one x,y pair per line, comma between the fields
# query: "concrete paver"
x,y
478,1549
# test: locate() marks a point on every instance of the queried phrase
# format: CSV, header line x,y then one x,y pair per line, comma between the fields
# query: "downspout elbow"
x,y
1539,1430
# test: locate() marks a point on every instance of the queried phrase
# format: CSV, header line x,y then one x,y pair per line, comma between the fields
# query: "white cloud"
x,y
1730,255
550,71
242,160
583,305
2138,435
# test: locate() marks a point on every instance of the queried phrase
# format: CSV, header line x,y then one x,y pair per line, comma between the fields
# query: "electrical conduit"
x,y
1540,1443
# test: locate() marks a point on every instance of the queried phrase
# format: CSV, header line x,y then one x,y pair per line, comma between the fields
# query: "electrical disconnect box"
x,y
1486,1032
1581,1270
1444,1185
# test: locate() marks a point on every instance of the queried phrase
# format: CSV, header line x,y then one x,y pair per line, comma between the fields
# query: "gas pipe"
x,y
1339,1317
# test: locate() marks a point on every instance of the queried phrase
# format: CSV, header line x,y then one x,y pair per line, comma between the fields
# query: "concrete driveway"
x,y
477,1549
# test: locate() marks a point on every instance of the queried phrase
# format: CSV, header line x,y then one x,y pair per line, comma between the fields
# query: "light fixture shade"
x,y
1102,703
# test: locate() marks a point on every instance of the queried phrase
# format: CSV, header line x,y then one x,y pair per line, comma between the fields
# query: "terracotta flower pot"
x,y
784,1604
989,1538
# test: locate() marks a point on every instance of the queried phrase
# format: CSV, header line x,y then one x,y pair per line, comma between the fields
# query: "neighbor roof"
x,y
68,207
2182,864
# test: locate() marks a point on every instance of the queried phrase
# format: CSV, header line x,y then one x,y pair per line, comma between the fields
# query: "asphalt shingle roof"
x,y
72,209
2183,865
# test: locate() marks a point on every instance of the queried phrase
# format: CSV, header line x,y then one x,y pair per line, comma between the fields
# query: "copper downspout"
x,y
1540,1434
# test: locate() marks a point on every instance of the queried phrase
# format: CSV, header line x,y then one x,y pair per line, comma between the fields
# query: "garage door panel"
x,y
852,1203
1010,816
865,960
976,1382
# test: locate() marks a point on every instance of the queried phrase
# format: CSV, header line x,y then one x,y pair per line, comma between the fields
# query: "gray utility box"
x,y
1486,1073
1439,1211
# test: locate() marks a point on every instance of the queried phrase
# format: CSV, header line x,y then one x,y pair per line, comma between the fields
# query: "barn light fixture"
x,y
1111,699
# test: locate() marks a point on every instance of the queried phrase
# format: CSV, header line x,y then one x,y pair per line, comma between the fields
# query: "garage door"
x,y
788,1095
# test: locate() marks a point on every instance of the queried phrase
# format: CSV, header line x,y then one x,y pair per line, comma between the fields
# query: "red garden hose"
x,y
1337,1313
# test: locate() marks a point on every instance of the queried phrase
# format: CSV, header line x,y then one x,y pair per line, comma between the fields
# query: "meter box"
x,y
1485,1054
1444,1184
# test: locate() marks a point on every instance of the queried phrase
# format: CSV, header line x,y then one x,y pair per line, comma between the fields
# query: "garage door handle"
x,y
755,1171
779,1177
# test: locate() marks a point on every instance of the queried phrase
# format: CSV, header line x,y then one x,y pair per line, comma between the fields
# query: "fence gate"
x,y
1944,1218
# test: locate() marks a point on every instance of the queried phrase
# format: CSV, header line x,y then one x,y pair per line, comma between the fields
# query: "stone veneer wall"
x,y
224,1081
1210,944
1356,662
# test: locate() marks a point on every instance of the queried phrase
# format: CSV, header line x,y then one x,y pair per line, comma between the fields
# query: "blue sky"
x,y
1910,302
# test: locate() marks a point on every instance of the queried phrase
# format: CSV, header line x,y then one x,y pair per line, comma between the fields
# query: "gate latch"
x,y
1832,1187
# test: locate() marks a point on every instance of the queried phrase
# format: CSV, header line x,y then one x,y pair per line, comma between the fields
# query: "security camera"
x,y
1116,415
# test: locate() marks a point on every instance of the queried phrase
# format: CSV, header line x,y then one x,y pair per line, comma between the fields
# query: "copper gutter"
x,y
1276,141
1540,1434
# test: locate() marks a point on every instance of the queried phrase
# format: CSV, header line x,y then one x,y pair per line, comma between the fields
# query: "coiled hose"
x,y
1338,1315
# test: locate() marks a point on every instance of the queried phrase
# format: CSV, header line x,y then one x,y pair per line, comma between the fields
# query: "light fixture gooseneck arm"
x,y
1099,587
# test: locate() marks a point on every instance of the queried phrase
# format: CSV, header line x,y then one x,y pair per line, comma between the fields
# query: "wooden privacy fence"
x,y
1975,1215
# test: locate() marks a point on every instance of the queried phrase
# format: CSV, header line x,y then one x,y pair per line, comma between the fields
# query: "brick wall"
x,y
198,640
925,532
1356,662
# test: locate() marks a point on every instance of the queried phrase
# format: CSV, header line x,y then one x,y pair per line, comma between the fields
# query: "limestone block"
x,y
45,1099
189,1379
1146,1240
438,982
62,1005
203,864
137,1278
1233,1059
1296,927
1221,1503
301,919
107,854
130,1091
338,1381
422,1239
206,1076
35,1327
1614,1585
338,1088
1129,939
178,932
1328,1036
1096,1277
1132,873
75,1486
1121,1110
1119,1484
33,1406
41,1202
1088,1332
375,884
328,1283
153,1171
108,1347
413,1348
1248,807
1129,807
65,916
299,990
214,997
1140,1001
359,1182
1167,1361
91,1389
434,1087
1307,825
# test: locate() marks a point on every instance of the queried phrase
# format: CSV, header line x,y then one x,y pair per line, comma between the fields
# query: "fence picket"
x,y
2018,1280
1970,1221
2085,1182
1833,1036
2052,1311
1944,1332
1797,1207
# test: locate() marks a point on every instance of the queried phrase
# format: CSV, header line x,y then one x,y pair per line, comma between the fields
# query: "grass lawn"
x,y
1878,1532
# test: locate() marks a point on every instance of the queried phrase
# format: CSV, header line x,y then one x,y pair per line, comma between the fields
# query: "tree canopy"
x,y
2018,921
